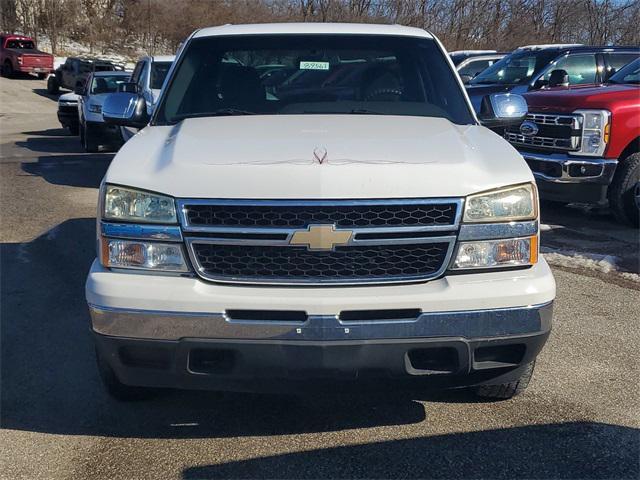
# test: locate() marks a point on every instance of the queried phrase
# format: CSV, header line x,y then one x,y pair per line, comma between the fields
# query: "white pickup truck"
x,y
312,205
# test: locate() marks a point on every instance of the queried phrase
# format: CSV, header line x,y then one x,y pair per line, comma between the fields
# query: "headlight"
x,y
596,127
166,257
511,252
95,108
503,205
126,204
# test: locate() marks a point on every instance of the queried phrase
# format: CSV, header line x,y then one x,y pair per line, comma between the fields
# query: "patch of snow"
x,y
547,227
590,261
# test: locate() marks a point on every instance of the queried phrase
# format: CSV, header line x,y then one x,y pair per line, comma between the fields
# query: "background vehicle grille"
x,y
355,264
299,216
555,132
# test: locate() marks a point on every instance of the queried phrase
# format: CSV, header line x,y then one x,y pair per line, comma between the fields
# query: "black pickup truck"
x,y
75,70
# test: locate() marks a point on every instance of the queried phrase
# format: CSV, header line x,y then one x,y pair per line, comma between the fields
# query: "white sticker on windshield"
x,y
314,65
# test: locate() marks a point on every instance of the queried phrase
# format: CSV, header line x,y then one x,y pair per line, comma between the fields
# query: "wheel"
x,y
7,69
116,388
42,76
505,391
87,137
52,85
622,191
74,129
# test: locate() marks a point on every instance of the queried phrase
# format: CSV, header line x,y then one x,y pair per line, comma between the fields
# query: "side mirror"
x,y
558,78
502,109
126,110
128,87
609,73
465,78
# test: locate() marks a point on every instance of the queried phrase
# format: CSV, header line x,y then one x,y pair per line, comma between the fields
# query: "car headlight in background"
x,y
515,203
95,108
596,129
510,252
165,257
126,204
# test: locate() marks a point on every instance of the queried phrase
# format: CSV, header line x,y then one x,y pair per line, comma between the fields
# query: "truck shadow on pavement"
x,y
83,170
564,450
50,383
63,159
43,92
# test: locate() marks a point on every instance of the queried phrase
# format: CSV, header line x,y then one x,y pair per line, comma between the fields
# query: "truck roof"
x,y
576,47
312,28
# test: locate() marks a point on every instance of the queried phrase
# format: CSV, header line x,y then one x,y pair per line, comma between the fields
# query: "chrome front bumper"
x,y
598,170
162,325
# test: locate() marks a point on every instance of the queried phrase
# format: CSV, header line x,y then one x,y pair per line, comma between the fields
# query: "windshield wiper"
x,y
216,113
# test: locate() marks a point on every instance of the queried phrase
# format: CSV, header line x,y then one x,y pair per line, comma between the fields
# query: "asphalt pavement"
x,y
580,417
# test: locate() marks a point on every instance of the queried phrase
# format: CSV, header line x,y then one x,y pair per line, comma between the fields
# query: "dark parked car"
x,y
75,70
532,68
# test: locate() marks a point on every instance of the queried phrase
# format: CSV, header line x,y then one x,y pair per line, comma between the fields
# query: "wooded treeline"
x,y
158,26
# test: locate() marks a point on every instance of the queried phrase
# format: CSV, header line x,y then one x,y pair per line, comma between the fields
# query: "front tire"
x,y
74,129
52,85
115,388
622,190
505,391
88,139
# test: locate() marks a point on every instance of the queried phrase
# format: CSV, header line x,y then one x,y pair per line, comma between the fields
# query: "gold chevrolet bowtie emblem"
x,y
321,237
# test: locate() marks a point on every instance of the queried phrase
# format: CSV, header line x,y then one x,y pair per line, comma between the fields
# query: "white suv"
x,y
347,221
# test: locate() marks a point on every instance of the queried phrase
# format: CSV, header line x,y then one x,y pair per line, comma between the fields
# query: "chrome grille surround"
x,y
553,132
403,238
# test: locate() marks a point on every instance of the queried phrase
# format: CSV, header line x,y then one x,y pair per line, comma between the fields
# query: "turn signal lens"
x,y
166,257
512,252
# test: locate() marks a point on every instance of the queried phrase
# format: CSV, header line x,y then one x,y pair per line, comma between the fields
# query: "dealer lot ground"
x,y
579,417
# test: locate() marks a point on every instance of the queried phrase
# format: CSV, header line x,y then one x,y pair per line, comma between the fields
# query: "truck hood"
x,y
566,100
317,157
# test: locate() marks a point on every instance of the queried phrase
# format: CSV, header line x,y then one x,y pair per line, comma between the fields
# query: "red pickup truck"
x,y
583,142
18,54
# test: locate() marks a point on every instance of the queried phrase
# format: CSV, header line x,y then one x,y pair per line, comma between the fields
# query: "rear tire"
x,y
115,388
505,391
622,190
42,76
52,85
7,69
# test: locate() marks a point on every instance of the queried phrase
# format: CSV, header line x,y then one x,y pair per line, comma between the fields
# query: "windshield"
x,y
21,44
159,71
514,69
627,74
107,84
313,74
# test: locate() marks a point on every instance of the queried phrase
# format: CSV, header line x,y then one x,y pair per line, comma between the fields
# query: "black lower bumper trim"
x,y
594,193
268,365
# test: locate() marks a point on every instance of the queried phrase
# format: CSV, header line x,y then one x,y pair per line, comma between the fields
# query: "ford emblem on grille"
x,y
528,128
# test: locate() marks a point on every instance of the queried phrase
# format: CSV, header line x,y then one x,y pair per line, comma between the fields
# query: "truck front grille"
x,y
350,264
298,216
555,132
388,241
